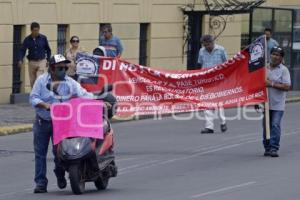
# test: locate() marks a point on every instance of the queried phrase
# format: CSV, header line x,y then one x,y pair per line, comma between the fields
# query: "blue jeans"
x,y
275,131
42,133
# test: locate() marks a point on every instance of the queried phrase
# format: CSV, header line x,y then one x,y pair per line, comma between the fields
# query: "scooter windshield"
x,y
77,118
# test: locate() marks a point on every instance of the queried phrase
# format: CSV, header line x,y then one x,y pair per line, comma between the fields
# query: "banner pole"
x,y
267,106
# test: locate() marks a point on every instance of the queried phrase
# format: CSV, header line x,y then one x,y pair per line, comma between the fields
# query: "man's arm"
x,y
43,105
200,60
22,52
279,86
276,43
101,41
199,66
224,56
35,96
47,49
80,91
119,47
285,84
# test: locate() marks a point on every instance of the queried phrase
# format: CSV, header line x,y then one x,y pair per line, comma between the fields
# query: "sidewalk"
x,y
18,118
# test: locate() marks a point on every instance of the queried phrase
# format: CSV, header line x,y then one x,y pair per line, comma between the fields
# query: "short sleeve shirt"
x,y
277,98
210,59
271,43
112,46
71,55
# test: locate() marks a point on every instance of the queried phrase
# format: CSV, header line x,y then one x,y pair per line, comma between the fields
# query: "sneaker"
x,y
273,153
223,128
207,131
61,183
40,189
267,153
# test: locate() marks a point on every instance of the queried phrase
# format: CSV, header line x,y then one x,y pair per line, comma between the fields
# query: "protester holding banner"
x,y
71,55
278,83
111,43
52,87
210,55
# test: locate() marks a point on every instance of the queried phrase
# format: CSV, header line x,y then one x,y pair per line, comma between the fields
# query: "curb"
x,y
9,130
292,99
21,128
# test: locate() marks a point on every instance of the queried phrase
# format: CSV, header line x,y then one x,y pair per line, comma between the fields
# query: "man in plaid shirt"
x,y
210,55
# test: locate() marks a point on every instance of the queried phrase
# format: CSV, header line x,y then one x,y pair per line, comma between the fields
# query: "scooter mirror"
x,y
107,88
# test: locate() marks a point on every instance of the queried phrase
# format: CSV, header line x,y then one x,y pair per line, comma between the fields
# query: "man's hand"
x,y
55,84
257,108
20,63
44,105
269,83
47,106
107,105
278,86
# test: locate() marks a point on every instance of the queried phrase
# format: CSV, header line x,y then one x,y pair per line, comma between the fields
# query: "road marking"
x,y
187,157
213,150
207,147
137,165
8,194
222,190
219,146
125,159
149,165
242,136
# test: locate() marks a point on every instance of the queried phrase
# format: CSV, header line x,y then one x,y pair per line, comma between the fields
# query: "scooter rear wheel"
x,y
77,184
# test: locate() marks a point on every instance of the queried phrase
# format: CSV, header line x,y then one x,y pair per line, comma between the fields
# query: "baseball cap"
x,y
278,50
58,58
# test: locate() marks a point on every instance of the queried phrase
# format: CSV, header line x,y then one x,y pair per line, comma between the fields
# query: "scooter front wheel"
x,y
101,183
77,184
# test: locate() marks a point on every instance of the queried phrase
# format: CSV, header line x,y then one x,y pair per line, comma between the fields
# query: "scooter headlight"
x,y
75,147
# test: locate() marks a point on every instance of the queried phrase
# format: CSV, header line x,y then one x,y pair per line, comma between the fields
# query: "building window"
x,y
61,38
297,26
296,41
17,44
143,59
245,34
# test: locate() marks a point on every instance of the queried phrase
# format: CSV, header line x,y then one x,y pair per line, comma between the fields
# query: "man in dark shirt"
x,y
38,51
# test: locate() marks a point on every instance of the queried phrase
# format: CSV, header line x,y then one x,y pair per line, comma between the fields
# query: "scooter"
x,y
89,159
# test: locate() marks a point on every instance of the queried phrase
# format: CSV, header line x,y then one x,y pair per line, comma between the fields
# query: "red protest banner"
x,y
142,90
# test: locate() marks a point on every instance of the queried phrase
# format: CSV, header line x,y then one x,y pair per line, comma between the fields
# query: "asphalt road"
x,y
168,159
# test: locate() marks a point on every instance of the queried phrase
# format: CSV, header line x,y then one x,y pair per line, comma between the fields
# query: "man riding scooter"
x,y
41,98
86,152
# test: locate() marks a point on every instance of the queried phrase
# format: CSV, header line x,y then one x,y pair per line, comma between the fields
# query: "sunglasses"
x,y
73,41
64,68
277,48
